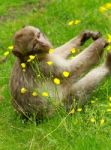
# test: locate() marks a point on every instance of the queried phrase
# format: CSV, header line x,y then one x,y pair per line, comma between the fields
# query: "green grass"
x,y
74,132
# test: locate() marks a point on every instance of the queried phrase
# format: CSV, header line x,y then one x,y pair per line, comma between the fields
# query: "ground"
x,y
85,130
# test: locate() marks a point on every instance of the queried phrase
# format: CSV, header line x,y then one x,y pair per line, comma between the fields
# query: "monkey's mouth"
x,y
45,46
42,48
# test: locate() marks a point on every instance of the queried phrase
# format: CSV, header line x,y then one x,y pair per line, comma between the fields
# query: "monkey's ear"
x,y
17,54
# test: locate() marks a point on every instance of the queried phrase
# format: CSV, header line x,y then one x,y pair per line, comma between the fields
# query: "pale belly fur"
x,y
56,92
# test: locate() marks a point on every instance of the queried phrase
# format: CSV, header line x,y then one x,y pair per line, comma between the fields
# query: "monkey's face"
x,y
31,39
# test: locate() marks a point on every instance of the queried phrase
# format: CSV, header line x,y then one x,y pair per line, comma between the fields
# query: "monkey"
x,y
52,88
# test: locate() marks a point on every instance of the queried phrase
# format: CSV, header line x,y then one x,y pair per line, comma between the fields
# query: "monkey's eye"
x,y
38,35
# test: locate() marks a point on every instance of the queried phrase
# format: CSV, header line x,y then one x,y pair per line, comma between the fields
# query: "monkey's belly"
x,y
55,92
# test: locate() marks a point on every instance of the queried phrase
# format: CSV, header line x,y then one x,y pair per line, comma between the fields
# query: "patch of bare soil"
x,y
24,9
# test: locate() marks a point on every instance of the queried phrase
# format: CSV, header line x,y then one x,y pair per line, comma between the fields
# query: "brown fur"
x,y
39,75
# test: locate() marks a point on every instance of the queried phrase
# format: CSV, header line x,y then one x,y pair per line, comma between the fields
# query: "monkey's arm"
x,y
82,62
90,56
65,49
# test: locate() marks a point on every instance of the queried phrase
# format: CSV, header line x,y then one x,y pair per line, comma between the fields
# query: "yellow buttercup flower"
x,y
49,63
110,98
23,65
66,74
57,81
70,23
102,9
109,104
77,22
72,111
45,94
51,50
79,109
71,57
10,47
29,60
92,102
38,75
32,57
108,6
23,90
24,70
6,53
109,38
73,22
109,110
102,121
34,94
108,48
93,120
73,50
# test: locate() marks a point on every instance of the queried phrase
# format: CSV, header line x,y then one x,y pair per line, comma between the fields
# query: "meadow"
x,y
84,130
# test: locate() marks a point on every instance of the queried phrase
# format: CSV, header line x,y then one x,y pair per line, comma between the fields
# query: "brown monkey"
x,y
47,81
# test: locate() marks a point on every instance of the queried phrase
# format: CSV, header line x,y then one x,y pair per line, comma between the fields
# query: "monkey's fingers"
x,y
89,34
76,42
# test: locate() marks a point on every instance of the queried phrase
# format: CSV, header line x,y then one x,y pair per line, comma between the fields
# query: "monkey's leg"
x,y
83,88
65,49
90,56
